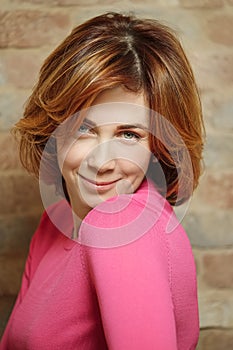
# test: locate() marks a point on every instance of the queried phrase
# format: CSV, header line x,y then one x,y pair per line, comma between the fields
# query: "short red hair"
x,y
141,55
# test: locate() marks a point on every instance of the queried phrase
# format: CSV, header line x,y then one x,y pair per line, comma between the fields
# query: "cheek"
x,y
71,159
135,167
139,161
144,161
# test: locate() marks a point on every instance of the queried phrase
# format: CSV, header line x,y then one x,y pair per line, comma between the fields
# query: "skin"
x,y
108,153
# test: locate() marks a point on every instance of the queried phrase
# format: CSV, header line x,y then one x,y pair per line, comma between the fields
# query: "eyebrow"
x,y
119,127
132,126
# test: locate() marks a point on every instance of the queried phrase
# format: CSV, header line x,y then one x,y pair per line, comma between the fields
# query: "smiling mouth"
x,y
99,184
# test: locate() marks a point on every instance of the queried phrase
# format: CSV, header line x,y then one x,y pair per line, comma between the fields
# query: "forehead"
x,y
118,113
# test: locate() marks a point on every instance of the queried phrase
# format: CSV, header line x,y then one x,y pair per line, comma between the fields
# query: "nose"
x,y
101,159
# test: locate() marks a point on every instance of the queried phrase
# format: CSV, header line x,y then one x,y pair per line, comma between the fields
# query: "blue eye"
x,y
129,135
83,129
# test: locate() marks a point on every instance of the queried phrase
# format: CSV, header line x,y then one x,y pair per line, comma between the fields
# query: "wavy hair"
x,y
141,55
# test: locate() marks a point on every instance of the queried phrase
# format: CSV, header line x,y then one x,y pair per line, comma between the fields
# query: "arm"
x,y
133,291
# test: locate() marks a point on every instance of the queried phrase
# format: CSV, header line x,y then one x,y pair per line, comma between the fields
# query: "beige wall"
x,y
28,32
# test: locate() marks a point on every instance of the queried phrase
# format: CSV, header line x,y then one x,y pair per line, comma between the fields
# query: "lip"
x,y
98,185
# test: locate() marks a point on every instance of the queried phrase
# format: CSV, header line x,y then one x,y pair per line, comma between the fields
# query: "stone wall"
x,y
29,30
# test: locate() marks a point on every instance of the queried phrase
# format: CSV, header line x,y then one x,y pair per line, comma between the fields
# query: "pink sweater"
x,y
138,292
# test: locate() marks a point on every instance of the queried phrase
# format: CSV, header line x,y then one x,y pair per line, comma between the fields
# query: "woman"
x,y
115,123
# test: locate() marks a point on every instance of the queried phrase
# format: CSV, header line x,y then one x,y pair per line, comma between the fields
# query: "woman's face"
x,y
109,153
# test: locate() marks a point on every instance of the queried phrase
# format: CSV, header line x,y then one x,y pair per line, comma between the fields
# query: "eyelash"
x,y
89,129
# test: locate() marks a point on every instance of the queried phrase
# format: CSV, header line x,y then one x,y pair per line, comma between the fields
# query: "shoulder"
x,y
56,219
124,218
123,208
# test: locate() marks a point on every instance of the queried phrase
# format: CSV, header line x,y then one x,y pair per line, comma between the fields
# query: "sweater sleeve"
x,y
133,291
